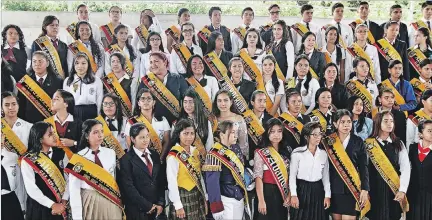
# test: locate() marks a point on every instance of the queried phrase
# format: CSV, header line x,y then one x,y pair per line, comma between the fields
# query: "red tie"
x,y
10,55
55,43
148,162
423,152
97,160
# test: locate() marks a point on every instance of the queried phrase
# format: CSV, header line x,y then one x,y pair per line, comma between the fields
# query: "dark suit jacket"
x,y
357,153
62,51
225,57
252,145
226,33
403,31
400,47
400,124
18,68
292,142
177,85
73,132
339,95
139,189
318,62
246,89
266,35
29,112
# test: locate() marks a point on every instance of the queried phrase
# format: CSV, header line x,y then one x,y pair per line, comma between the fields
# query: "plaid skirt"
x,y
96,206
193,205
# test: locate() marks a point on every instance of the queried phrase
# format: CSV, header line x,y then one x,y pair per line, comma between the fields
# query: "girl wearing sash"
x,y
14,50
90,201
253,46
57,48
422,114
192,109
67,127
304,83
272,191
343,203
183,16
144,112
112,114
154,44
127,83
362,82
316,58
424,44
282,47
331,81
107,31
402,87
323,110
420,191
424,81
274,87
186,188
43,74
309,179
334,50
151,23
389,165
120,39
216,43
361,42
226,196
195,71
362,124
385,102
85,87
187,38
243,85
224,109
84,36
42,170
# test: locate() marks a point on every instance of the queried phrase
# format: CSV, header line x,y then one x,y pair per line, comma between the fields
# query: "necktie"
x,y
87,44
111,125
366,24
299,85
55,43
307,25
339,28
428,22
247,27
148,162
385,142
97,160
40,81
10,55
203,82
300,119
4,178
47,153
423,152
191,49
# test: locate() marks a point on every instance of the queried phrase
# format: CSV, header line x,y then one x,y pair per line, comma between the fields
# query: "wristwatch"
x,y
75,143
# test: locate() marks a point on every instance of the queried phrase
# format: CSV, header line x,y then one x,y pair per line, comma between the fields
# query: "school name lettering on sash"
x,y
36,95
47,46
113,85
11,140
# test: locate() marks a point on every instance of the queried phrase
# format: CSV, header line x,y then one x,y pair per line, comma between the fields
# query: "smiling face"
x,y
236,69
158,66
223,102
96,136
84,32
189,105
10,106
325,100
309,42
268,67
277,31
197,66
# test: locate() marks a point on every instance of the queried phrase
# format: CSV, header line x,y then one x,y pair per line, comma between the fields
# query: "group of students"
x,y
254,123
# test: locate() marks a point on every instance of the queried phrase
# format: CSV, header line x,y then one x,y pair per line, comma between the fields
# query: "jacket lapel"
x,y
138,162
156,163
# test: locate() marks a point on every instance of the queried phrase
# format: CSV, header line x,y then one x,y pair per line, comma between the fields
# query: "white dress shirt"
x,y
86,94
176,65
372,88
306,166
100,63
212,86
411,132
346,33
155,27
139,153
333,55
159,126
120,135
29,177
22,130
107,157
314,28
346,141
135,63
103,36
43,77
69,118
15,179
412,30
145,63
272,93
172,170
373,54
95,33
404,165
308,96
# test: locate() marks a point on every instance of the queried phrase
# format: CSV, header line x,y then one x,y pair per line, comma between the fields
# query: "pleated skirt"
x,y
420,205
11,208
193,205
36,211
343,204
96,206
311,201
274,204
84,112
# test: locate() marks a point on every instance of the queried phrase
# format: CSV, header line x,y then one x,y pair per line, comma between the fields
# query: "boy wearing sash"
x,y
186,188
239,33
390,48
224,175
266,31
376,32
345,32
92,184
107,31
304,26
83,13
425,21
389,170
42,169
420,115
396,15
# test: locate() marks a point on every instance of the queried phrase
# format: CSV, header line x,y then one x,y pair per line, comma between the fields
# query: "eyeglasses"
x,y
317,135
108,104
188,31
274,12
148,99
361,32
155,39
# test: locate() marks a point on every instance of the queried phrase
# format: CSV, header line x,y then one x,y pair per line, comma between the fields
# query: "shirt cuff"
x,y
178,205
403,188
48,204
216,207
293,192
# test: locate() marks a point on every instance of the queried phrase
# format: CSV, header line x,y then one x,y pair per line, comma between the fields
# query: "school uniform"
x,y
210,85
304,119
366,130
17,59
50,84
236,42
309,180
11,181
427,53
118,132
177,85
342,201
297,39
374,28
403,31
411,132
273,92
21,129
8,82
62,50
252,146
176,66
103,35
40,198
339,94
95,34
160,127
85,202
70,129
257,59
401,48
145,63
308,96
372,52
285,56
412,30
99,62
88,97
406,90
371,86
381,195
135,62
328,118
420,190
245,88
226,37
333,55
344,30
140,179
225,57
136,41
317,62
266,35
129,85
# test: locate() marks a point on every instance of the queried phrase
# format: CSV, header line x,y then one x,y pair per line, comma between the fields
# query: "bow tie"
x,y
191,49
111,125
203,82
87,44
47,153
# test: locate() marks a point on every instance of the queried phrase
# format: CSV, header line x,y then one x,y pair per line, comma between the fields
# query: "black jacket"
x,y
138,188
246,89
252,145
403,31
318,62
421,177
400,124
291,141
339,95
226,33
357,153
19,67
225,57
62,51
400,47
73,132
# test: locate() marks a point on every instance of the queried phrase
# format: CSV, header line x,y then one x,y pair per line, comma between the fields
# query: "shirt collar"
x,y
43,77
346,141
392,42
382,141
424,20
139,153
166,79
125,76
69,118
7,46
422,80
53,39
216,27
421,144
299,115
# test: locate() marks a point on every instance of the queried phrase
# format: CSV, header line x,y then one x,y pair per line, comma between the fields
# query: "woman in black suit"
x,y
330,80
14,50
244,86
141,178
216,43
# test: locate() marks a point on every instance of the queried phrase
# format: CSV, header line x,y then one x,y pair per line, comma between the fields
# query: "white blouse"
x,y
308,96
159,126
85,94
135,63
100,63
176,66
22,129
372,88
272,92
120,135
14,176
155,27
373,54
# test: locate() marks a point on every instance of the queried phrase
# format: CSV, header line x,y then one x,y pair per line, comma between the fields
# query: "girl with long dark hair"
x,y
195,70
332,49
14,51
282,47
316,58
331,81
253,46
216,43
323,110
422,41
273,86
112,113
154,44
238,78
362,124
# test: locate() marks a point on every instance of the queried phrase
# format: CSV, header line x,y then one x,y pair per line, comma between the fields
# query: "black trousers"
x,y
11,208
